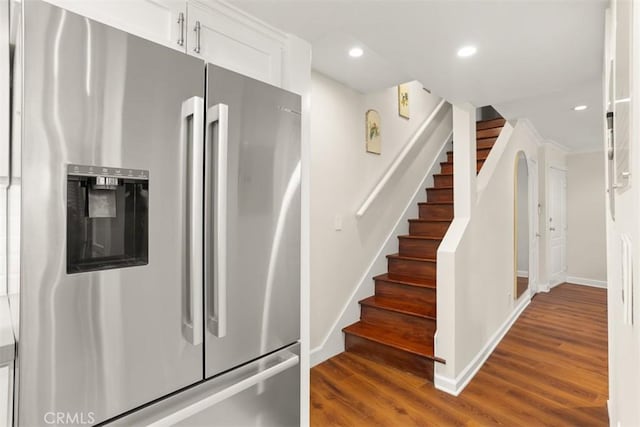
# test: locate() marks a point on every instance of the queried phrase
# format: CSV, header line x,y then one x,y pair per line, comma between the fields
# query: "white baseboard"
x,y
587,282
333,342
557,280
455,385
543,287
522,273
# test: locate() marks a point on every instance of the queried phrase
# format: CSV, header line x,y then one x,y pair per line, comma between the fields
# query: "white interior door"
x,y
557,225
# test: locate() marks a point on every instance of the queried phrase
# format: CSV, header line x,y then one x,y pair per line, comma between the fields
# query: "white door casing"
x,y
534,232
557,225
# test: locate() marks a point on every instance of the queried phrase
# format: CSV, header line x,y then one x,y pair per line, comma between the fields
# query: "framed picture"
x,y
372,120
403,100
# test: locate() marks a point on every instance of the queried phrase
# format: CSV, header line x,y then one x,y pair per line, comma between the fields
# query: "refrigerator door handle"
x,y
255,374
217,307
194,108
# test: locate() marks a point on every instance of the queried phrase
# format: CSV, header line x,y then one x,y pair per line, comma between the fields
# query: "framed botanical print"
x,y
403,100
372,120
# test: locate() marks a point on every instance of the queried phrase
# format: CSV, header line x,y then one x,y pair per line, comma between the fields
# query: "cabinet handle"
x,y
197,31
181,23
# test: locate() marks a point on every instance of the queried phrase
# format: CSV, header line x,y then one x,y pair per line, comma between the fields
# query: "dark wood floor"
x,y
550,369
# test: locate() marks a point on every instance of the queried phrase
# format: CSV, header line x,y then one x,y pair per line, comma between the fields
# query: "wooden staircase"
x,y
398,323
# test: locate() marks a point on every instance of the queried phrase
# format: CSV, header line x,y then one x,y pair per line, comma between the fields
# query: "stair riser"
x,y
411,268
431,229
428,211
426,296
439,194
488,133
480,155
490,124
419,327
386,355
443,181
448,167
485,143
419,248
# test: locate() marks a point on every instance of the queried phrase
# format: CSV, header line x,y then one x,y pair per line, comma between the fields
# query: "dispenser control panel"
x,y
83,170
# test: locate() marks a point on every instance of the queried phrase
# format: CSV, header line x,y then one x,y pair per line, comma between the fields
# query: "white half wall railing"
x,y
475,302
399,160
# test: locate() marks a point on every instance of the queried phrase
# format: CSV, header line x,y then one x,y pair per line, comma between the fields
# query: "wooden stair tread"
x,y
430,220
449,202
392,338
450,163
444,187
491,123
411,236
409,281
409,307
478,149
486,142
409,258
489,128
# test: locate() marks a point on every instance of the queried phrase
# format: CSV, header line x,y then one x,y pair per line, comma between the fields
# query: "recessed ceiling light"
x,y
580,107
467,51
356,52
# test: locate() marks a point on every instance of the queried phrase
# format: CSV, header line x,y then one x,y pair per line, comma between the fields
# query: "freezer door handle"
x,y
247,377
193,124
216,274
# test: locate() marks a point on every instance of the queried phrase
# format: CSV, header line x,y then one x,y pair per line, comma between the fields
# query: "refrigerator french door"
x,y
252,227
104,174
159,232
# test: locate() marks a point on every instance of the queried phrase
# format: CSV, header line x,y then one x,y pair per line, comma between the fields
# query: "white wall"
x,y
624,336
477,260
586,234
343,174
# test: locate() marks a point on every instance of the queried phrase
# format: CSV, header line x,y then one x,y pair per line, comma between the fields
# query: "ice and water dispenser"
x,y
107,218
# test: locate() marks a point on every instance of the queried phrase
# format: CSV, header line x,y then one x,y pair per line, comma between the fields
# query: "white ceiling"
x,y
536,59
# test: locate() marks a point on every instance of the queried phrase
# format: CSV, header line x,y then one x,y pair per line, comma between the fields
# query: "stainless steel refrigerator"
x,y
159,248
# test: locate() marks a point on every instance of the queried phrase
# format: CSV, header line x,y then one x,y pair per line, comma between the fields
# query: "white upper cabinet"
x,y
226,36
155,20
212,30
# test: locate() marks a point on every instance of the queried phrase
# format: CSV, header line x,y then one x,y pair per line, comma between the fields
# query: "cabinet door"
x,y
225,36
155,20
